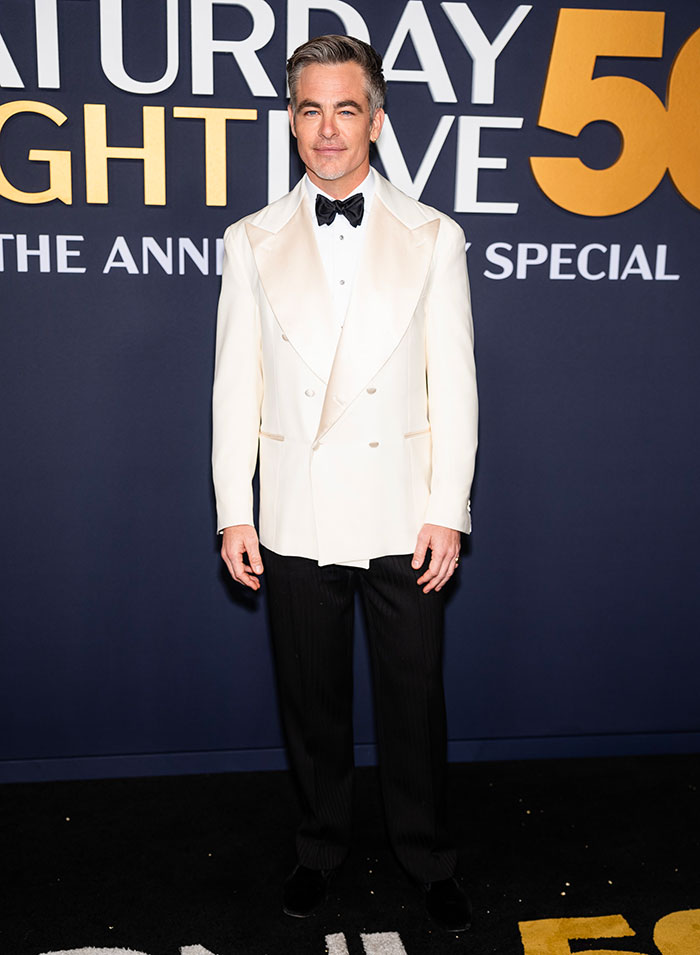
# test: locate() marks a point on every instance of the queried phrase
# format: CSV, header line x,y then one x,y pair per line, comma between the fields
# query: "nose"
x,y
328,128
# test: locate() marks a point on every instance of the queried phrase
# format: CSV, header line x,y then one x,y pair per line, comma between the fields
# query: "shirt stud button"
x,y
371,391
374,444
309,392
342,281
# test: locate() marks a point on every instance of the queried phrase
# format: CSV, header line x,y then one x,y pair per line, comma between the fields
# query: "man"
x,y
345,358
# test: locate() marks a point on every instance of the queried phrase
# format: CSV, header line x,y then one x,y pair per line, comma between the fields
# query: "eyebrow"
x,y
305,104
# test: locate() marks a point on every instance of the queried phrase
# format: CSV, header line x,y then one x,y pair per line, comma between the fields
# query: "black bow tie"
x,y
353,209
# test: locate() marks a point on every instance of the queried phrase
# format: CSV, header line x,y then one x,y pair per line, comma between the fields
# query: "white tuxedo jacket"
x,y
363,433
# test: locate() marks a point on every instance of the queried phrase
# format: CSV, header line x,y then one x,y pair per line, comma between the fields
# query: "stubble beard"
x,y
326,170
327,176
320,170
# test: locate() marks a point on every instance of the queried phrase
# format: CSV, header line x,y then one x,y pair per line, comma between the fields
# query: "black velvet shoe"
x,y
304,891
447,905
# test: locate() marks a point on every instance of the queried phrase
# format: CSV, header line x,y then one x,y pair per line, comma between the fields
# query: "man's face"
x,y
332,126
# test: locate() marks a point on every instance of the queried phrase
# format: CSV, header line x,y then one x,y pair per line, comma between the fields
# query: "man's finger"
x,y
433,578
441,568
250,580
433,569
243,576
435,584
241,554
237,569
447,569
419,553
253,552
440,578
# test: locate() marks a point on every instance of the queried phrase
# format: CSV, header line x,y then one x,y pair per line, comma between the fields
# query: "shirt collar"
x,y
366,187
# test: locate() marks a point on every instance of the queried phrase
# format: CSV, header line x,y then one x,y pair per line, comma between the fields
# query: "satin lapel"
x,y
387,286
293,278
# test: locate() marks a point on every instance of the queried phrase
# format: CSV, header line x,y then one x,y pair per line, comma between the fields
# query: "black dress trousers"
x,y
311,613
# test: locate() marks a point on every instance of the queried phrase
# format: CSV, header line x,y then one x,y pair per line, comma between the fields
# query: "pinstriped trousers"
x,y
311,614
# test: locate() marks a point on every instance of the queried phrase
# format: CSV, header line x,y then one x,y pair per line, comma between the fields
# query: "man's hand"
x,y
238,540
444,543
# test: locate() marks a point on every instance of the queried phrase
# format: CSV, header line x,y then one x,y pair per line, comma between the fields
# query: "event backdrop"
x,y
567,144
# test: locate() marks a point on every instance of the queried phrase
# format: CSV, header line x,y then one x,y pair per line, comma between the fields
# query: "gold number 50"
x,y
654,137
674,934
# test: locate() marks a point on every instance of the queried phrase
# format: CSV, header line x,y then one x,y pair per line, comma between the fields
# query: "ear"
x,y
376,125
290,113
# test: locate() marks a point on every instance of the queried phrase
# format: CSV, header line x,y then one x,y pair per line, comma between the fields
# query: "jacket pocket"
x,y
274,437
414,434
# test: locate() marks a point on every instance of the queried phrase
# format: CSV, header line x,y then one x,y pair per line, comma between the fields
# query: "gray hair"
x,y
331,49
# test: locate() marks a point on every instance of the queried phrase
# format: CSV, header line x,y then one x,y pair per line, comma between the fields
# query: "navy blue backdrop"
x,y
573,627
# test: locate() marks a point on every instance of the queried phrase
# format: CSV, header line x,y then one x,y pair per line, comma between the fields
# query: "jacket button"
x,y
309,392
374,444
371,391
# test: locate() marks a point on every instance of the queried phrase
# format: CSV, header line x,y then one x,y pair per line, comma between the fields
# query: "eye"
x,y
310,112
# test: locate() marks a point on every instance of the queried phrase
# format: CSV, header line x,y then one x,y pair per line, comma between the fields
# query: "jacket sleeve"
x,y
451,379
238,384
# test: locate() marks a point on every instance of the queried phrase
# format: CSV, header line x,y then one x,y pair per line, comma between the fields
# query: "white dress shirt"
x,y
340,246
